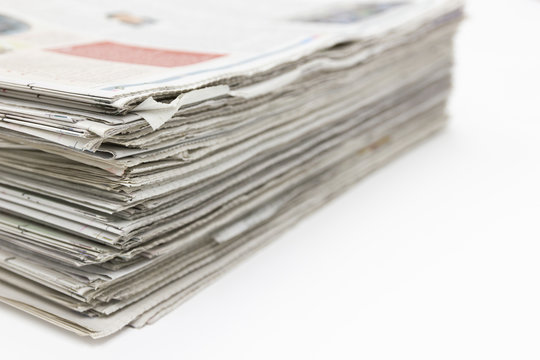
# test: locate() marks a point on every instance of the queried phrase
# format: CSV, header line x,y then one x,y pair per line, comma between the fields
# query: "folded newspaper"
x,y
145,150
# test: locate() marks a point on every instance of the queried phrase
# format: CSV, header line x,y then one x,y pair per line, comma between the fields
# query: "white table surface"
x,y
436,256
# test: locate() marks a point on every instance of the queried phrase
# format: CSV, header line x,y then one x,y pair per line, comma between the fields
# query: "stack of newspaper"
x,y
144,151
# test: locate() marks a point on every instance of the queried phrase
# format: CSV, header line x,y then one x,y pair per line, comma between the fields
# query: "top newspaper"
x,y
118,57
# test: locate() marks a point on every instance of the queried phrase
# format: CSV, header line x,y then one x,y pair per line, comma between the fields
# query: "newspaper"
x,y
145,150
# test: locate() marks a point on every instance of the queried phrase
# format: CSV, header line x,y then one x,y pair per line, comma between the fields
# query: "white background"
x,y
436,256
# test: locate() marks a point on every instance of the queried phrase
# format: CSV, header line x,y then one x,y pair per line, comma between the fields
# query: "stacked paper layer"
x,y
142,158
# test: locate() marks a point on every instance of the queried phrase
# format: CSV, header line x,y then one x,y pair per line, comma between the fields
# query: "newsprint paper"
x,y
145,148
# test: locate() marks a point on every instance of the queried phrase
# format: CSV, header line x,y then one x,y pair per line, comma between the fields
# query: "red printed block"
x,y
111,51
